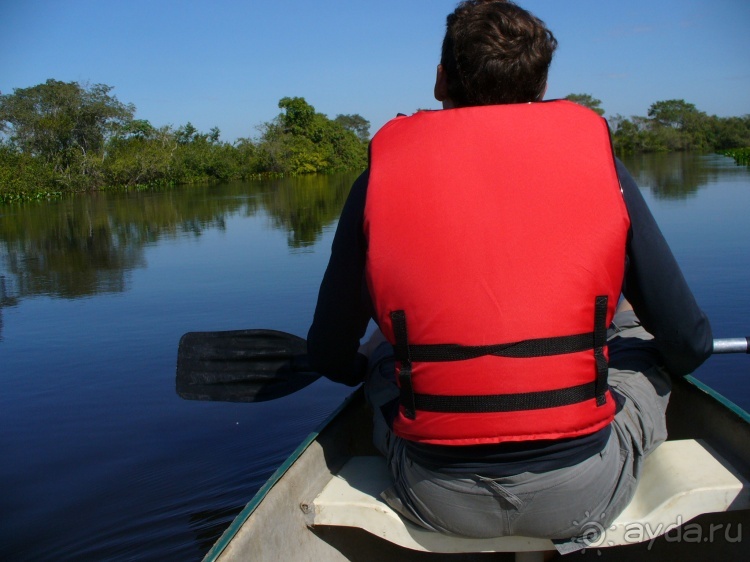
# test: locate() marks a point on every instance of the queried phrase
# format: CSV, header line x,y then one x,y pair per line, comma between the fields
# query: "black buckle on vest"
x,y
600,341
398,320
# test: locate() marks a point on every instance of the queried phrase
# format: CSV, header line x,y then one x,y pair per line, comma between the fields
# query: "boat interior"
x,y
692,503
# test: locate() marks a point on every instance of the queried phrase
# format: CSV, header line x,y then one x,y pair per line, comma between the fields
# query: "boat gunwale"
x,y
743,414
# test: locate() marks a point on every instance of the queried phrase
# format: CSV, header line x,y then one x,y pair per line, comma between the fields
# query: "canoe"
x,y
322,503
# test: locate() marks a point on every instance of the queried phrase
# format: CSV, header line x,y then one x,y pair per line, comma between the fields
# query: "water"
x,y
102,459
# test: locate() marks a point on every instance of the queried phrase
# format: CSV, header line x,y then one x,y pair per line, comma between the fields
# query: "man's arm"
x,y
656,287
344,306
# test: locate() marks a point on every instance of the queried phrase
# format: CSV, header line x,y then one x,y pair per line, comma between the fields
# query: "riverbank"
x,y
24,179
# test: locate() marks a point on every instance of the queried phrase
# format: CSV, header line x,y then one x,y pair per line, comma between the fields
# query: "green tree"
x,y
302,141
586,100
356,124
677,114
282,151
676,125
186,134
679,125
22,176
729,132
626,135
348,150
64,123
247,158
297,115
140,155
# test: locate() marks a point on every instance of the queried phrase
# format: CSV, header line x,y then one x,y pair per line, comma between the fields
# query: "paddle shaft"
x,y
732,345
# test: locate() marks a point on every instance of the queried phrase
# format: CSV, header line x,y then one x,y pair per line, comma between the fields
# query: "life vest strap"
x,y
486,403
539,347
407,353
600,342
402,352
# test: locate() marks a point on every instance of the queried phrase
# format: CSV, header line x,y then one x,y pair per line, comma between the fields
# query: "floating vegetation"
x,y
740,155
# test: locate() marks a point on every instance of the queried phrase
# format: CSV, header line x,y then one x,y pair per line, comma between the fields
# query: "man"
x,y
490,242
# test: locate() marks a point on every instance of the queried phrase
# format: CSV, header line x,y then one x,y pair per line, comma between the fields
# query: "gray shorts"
x,y
564,504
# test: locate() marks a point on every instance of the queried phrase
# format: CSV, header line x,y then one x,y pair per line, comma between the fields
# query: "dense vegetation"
x,y
674,126
60,137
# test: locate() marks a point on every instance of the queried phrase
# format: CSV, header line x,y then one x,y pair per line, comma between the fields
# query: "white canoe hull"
x,y
277,524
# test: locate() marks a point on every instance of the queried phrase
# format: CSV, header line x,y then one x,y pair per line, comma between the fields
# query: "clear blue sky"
x,y
227,63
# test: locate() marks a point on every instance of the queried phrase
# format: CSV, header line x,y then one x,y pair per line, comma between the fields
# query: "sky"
x,y
227,63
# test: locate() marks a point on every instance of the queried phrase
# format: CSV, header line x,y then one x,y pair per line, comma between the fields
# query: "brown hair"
x,y
495,52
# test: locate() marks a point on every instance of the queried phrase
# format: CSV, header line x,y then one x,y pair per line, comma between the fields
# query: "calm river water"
x,y
102,460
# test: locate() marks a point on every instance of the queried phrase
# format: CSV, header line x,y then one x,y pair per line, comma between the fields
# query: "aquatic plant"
x,y
740,155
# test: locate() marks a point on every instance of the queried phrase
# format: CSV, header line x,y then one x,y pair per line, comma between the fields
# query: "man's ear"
x,y
441,85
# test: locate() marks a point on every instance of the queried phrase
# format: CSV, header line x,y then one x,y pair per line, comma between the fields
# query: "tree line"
x,y
674,126
64,136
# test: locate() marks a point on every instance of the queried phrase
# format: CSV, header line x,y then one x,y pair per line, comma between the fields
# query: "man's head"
x,y
493,52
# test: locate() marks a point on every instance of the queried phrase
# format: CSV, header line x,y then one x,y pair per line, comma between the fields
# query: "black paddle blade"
x,y
241,365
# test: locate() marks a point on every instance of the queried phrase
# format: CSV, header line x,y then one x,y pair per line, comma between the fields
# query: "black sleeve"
x,y
656,287
344,307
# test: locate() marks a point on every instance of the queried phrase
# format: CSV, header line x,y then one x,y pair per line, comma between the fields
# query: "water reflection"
x,y
676,175
7,299
303,206
86,245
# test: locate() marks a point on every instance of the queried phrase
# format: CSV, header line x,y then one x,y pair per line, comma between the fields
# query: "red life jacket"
x,y
496,252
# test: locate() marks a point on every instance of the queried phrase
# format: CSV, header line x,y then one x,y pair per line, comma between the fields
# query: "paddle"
x,y
241,365
259,365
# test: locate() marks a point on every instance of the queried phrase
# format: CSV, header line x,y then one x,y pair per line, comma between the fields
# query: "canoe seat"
x,y
681,480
